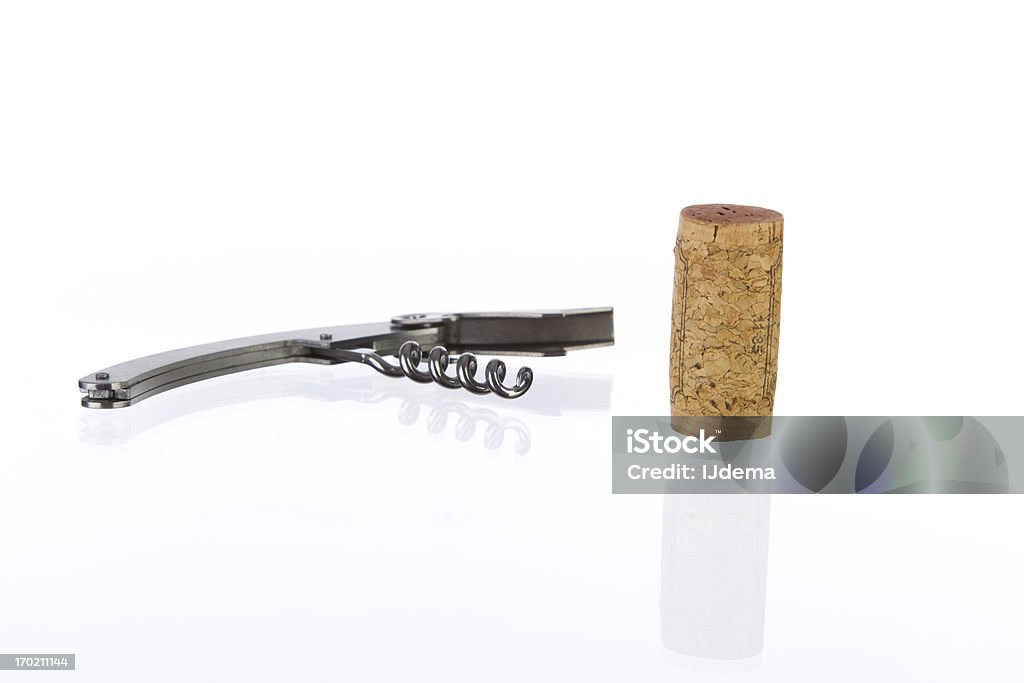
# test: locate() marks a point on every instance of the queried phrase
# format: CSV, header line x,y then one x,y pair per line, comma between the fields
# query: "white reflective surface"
x,y
347,523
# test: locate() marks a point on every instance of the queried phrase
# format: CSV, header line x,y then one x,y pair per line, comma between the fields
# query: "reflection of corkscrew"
x,y
495,426
561,394
410,355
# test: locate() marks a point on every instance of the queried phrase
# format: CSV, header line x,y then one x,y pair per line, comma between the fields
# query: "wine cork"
x,y
725,320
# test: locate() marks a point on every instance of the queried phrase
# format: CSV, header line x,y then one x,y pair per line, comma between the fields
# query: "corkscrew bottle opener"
x,y
453,338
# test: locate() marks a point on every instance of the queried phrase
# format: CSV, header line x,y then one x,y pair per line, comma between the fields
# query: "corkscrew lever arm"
x,y
525,333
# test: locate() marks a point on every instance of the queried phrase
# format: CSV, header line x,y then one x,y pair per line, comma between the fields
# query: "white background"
x,y
177,173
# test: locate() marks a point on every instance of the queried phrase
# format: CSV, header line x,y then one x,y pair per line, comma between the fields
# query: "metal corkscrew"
x,y
453,339
410,356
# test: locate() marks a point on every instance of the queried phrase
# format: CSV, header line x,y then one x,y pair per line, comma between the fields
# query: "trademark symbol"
x,y
718,431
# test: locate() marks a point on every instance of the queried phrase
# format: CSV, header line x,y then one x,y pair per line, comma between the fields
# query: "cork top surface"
x,y
730,225
729,214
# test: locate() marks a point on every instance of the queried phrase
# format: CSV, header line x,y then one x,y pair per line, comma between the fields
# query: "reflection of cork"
x,y
725,319
714,570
